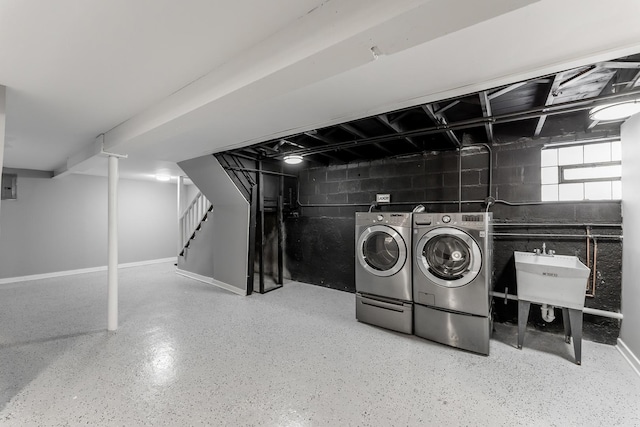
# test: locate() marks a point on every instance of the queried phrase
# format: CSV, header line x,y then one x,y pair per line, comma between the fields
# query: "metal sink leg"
x,y
523,316
575,317
567,325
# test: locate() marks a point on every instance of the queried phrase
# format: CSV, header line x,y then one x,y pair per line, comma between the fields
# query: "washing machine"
x,y
452,278
383,270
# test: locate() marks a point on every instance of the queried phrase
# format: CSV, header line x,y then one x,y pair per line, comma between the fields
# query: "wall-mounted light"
x,y
163,177
293,159
615,111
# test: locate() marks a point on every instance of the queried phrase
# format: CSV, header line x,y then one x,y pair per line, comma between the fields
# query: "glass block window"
x,y
581,172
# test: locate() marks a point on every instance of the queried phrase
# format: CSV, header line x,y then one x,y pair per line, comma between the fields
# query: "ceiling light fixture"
x,y
615,111
293,159
163,178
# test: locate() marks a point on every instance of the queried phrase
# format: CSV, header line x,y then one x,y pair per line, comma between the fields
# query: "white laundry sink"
x,y
558,280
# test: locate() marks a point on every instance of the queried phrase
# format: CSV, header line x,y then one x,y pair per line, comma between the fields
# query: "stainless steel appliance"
x,y
452,278
383,270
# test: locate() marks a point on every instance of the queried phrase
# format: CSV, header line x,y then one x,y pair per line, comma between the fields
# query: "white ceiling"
x,y
168,80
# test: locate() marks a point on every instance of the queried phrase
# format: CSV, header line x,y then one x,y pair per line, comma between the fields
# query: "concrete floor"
x,y
188,353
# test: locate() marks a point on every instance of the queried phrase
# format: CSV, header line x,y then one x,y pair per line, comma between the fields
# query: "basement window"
x,y
590,171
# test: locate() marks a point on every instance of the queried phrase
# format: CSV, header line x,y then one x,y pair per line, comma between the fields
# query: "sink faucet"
x,y
544,251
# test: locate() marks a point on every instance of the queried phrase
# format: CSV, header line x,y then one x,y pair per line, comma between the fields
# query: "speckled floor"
x,y
189,354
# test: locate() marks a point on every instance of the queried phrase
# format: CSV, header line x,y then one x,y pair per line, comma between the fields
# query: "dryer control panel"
x,y
475,221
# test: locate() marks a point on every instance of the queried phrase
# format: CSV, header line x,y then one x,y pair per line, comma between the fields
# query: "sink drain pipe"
x,y
586,310
548,313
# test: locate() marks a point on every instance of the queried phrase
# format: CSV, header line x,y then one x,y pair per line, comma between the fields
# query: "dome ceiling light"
x,y
293,159
615,111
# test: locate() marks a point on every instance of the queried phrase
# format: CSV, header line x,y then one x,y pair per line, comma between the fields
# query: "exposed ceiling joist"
x,y
548,101
633,81
446,107
316,135
507,89
485,103
352,130
400,117
396,128
538,99
355,132
573,79
439,119
557,109
619,64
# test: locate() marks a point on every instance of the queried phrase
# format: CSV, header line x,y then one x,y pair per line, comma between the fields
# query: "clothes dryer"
x,y
452,278
383,270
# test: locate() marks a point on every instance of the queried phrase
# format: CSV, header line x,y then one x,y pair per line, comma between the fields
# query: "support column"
x,y
112,294
180,208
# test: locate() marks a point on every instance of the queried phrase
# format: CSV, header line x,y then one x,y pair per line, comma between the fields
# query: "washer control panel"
x,y
399,219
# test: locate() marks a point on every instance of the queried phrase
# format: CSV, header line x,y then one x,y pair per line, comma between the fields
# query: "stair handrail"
x,y
190,205
192,216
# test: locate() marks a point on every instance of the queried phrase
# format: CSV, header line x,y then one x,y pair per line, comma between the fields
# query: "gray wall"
x,y
61,224
630,332
229,221
3,97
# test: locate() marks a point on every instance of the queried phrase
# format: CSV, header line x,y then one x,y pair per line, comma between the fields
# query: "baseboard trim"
x,y
211,281
195,276
148,262
629,356
82,271
229,287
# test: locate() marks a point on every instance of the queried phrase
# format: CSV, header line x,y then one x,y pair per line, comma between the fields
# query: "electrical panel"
x,y
9,186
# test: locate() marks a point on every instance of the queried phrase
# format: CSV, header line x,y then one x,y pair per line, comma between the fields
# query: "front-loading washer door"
x,y
381,250
449,257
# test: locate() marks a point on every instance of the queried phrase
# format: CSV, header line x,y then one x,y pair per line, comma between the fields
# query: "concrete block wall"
x,y
320,241
423,178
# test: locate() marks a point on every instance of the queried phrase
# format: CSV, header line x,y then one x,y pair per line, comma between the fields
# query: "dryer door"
x,y
449,257
381,250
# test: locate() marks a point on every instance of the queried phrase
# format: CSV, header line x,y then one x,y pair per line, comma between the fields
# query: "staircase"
x,y
192,219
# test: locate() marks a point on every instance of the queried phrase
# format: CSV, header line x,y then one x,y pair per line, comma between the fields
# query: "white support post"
x,y
180,208
112,295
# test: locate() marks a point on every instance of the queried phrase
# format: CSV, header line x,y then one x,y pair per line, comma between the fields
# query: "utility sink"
x,y
558,280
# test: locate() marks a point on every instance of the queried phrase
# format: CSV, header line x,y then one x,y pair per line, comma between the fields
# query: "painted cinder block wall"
x,y
320,241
